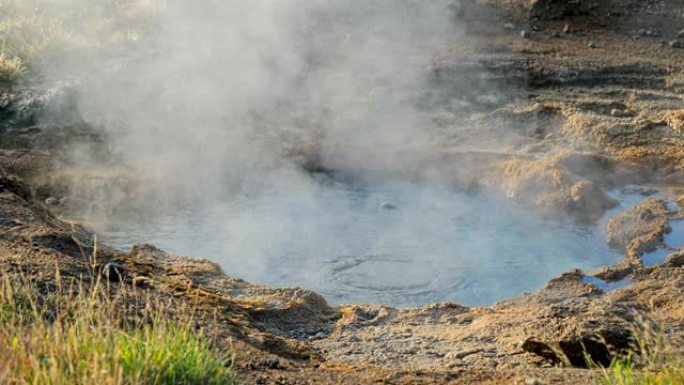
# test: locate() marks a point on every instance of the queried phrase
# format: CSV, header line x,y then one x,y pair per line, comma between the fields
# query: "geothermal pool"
x,y
392,243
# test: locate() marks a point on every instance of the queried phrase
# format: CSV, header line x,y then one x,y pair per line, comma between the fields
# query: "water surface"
x,y
393,243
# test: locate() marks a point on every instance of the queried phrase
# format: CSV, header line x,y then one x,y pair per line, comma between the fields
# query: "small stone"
x,y
52,201
591,44
260,381
509,26
141,281
113,271
387,206
648,33
411,351
525,34
272,363
680,33
317,336
619,113
676,44
533,381
567,28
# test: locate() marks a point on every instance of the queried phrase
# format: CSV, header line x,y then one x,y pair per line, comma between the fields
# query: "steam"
x,y
234,93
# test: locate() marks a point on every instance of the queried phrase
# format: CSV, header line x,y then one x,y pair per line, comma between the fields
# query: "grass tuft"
x,y
60,336
11,68
658,363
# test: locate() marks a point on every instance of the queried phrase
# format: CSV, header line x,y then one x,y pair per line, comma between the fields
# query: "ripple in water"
x,y
433,245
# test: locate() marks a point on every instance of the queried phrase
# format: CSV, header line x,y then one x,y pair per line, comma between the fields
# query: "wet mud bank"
x,y
583,121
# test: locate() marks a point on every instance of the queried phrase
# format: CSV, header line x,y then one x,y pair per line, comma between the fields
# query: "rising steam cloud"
x,y
228,93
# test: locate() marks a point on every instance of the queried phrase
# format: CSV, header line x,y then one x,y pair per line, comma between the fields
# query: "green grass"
x,y
659,361
624,372
57,336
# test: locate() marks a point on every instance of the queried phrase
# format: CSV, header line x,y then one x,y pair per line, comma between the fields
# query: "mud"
x,y
585,120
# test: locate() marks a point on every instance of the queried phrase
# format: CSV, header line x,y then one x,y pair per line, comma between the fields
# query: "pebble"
x,y
272,363
591,44
676,44
567,28
533,381
52,201
680,33
509,26
318,336
113,270
619,113
648,33
387,206
525,34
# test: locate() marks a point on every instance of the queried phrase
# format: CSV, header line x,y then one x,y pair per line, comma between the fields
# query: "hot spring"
x,y
394,243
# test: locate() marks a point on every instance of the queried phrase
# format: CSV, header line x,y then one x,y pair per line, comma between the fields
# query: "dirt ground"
x,y
593,99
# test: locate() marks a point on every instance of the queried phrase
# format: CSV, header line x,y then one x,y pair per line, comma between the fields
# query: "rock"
x,y
387,206
555,9
593,167
272,363
646,222
509,26
600,345
620,113
675,259
113,271
149,252
567,29
525,34
544,184
52,201
16,186
648,33
676,44
142,281
533,381
591,44
680,34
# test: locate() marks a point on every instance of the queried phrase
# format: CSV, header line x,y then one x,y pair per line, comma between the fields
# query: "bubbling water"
x,y
394,243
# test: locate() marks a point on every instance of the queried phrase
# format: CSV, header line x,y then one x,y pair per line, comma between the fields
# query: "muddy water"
x,y
397,244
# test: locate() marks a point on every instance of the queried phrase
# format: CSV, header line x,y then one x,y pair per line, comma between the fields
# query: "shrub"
x,y
11,68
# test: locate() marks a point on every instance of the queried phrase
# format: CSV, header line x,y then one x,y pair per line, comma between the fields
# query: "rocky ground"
x,y
590,95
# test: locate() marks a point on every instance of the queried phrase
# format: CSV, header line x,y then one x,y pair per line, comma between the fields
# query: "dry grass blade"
x,y
658,361
11,68
69,334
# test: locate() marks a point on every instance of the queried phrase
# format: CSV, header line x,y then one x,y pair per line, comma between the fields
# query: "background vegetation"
x,y
40,37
